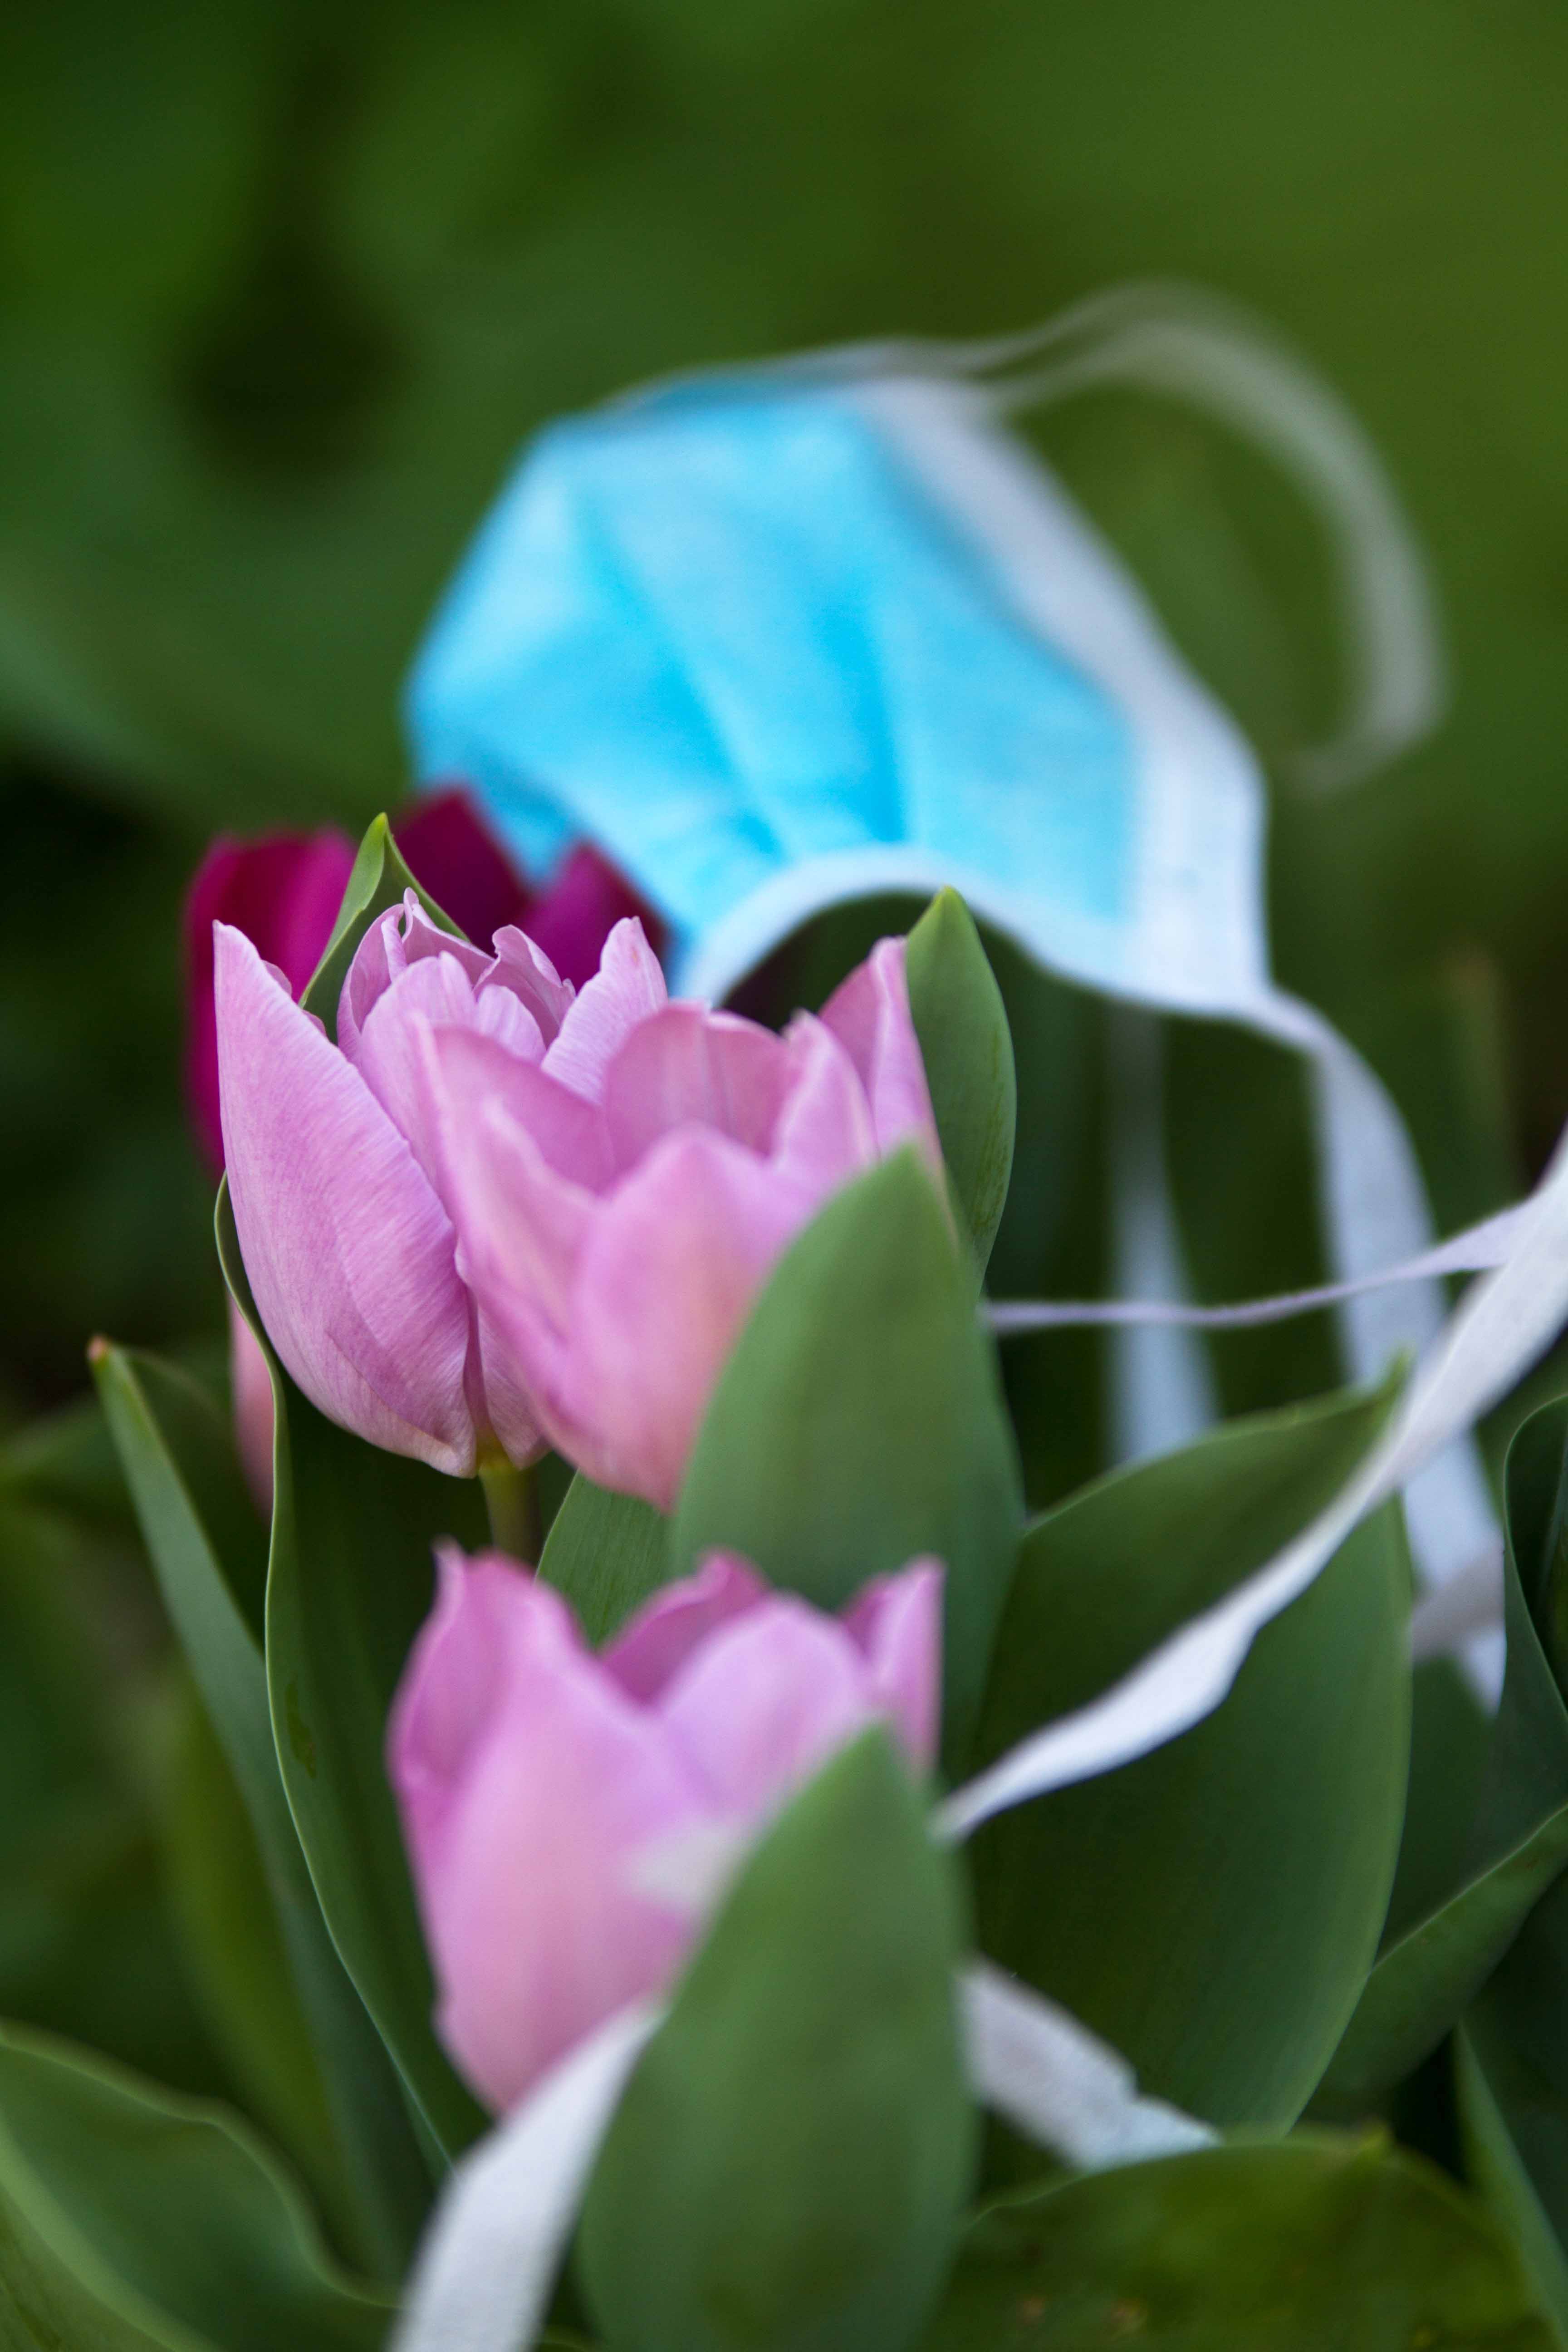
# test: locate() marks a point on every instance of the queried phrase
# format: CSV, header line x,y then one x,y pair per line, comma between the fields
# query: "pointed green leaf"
x,y
1317,2243
87,1946
787,2165
967,1049
1497,2170
232,1947
208,1554
131,2217
607,1553
1212,1910
376,883
351,1577
1520,1845
859,1422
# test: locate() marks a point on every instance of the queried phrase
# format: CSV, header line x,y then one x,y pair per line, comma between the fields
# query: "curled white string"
x,y
1475,1251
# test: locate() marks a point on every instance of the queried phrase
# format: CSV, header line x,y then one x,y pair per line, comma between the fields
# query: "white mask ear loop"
x,y
1195,347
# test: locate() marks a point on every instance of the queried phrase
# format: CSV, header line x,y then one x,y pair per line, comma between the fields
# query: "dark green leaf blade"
x,y
1318,2244
1497,2170
607,1553
179,1462
165,2211
787,2165
967,1049
859,1422
350,1581
232,1946
1212,1910
1520,1841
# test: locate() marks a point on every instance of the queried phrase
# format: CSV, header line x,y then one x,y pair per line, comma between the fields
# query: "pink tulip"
x,y
283,891
351,1255
564,1811
622,1199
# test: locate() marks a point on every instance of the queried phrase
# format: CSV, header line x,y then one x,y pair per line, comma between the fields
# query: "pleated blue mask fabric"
x,y
777,637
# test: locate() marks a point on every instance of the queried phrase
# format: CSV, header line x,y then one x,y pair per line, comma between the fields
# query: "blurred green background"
x,y
284,284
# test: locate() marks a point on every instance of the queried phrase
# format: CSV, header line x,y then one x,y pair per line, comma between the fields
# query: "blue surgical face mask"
x,y
780,637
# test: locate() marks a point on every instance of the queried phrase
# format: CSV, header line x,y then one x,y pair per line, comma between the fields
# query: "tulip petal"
x,y
869,1013
665,1631
349,1252
766,1699
402,937
532,1817
684,1066
627,987
251,1391
509,1406
388,1052
449,1690
895,1622
520,1223
476,1073
824,1135
522,969
668,1266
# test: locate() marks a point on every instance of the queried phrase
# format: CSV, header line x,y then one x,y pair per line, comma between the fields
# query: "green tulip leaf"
x,y
1424,1978
859,1422
607,1553
233,1948
208,1553
1496,2168
787,2165
131,2218
1212,1910
376,883
351,1578
87,1945
1513,2058
967,1049
1317,2243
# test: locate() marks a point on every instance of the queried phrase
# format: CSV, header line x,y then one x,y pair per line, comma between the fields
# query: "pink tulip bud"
x,y
570,1818
350,1255
283,891
622,1199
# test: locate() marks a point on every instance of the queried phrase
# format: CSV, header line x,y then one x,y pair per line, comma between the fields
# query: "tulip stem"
x,y
512,1498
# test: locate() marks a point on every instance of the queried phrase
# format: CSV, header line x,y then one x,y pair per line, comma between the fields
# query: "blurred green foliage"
x,y
282,286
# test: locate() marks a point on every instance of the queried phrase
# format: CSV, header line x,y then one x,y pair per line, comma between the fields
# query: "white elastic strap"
x,y
1506,1320
495,2243
1057,2082
489,2260
1161,1392
1193,346
1475,1251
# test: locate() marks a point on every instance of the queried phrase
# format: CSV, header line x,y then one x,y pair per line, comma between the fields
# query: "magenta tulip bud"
x,y
452,854
351,1255
566,1815
622,1199
283,892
